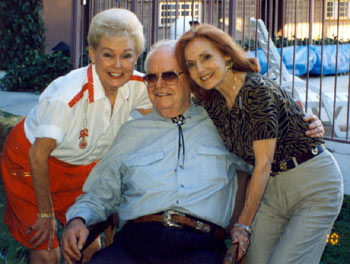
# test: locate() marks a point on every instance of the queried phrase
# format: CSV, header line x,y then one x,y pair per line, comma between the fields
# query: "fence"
x,y
309,34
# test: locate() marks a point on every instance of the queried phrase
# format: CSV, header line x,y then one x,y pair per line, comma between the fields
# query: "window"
x,y
344,10
332,9
170,11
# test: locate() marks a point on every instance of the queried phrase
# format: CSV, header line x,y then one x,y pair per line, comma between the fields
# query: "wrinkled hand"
x,y
316,129
240,237
73,240
46,229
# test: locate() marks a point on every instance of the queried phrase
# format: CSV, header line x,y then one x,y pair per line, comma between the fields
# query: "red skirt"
x,y
66,182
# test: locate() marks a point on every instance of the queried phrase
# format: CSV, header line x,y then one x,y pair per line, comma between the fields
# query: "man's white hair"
x,y
160,44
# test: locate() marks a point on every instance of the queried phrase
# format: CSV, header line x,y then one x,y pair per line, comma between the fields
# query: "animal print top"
x,y
262,110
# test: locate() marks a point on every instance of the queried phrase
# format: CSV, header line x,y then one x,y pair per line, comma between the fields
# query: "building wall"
x,y
302,18
57,20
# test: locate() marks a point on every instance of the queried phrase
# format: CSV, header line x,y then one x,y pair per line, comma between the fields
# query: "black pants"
x,y
154,243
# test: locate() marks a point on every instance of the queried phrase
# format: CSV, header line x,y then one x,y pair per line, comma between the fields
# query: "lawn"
x,y
336,252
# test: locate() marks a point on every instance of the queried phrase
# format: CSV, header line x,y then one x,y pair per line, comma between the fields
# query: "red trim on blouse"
x,y
136,78
88,86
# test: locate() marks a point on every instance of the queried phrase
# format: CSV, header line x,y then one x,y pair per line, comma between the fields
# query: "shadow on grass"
x,y
337,250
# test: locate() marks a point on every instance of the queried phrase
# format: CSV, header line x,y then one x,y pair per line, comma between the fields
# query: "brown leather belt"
x,y
291,163
176,219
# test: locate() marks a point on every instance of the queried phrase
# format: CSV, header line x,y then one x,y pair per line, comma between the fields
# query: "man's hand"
x,y
73,240
316,129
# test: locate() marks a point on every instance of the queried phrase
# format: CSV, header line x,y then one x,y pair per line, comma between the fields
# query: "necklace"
x,y
84,133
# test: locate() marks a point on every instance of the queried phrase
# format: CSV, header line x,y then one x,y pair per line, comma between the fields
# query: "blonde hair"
x,y
116,22
224,43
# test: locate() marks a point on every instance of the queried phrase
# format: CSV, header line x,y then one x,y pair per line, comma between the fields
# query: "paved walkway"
x,y
20,103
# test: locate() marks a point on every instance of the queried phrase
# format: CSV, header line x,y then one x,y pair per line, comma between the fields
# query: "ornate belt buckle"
x,y
314,151
168,218
283,165
202,227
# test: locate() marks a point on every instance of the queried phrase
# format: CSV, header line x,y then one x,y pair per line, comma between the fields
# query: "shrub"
x,y
36,72
22,48
22,30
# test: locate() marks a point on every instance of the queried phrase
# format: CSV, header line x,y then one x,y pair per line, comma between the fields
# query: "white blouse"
x,y
65,108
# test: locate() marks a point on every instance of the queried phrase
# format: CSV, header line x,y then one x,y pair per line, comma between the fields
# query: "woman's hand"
x,y
44,226
241,237
263,152
46,229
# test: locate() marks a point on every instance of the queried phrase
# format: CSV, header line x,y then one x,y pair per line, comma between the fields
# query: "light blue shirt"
x,y
140,175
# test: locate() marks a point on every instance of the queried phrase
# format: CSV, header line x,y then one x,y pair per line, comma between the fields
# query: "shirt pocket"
x,y
143,169
214,162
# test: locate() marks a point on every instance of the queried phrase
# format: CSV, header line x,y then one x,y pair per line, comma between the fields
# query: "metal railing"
x,y
289,24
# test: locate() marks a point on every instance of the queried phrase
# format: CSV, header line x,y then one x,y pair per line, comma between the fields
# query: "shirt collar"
x,y
99,92
191,110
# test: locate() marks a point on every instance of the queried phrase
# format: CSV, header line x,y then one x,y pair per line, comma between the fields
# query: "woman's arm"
x,y
263,153
45,226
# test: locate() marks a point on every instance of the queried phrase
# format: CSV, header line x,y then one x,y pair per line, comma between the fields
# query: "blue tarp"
x,y
329,55
301,55
261,59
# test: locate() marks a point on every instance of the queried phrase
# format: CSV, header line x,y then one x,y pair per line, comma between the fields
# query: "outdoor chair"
x,y
112,222
277,72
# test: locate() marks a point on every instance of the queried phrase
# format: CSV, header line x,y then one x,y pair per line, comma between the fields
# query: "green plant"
x,y
338,244
22,48
22,30
36,71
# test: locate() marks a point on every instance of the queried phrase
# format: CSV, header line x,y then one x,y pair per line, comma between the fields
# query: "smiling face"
x,y
169,100
205,63
114,59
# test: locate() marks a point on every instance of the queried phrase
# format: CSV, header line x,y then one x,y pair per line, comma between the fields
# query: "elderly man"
x,y
169,177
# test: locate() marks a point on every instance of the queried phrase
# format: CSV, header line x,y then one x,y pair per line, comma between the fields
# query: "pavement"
x,y
20,103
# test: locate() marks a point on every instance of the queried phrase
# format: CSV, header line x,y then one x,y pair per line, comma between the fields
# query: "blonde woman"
x,y
48,156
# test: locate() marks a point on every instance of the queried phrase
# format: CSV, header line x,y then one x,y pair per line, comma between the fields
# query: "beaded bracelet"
x,y
44,215
244,227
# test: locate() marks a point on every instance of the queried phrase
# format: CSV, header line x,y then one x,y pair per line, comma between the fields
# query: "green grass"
x,y
338,246
10,249
337,250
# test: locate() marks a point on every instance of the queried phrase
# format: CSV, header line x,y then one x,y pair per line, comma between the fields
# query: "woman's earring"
x,y
229,65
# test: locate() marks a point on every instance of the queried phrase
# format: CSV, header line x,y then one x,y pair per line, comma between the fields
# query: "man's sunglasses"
x,y
169,77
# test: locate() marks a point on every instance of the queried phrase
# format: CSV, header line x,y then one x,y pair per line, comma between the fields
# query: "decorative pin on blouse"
x,y
83,142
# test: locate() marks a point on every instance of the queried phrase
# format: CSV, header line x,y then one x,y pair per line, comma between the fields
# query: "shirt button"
x,y
175,170
177,201
182,185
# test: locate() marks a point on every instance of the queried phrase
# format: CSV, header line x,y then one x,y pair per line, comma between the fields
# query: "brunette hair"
x,y
224,43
